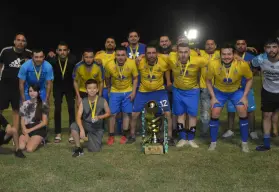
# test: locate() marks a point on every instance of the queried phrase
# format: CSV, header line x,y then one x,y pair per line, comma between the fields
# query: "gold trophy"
x,y
153,124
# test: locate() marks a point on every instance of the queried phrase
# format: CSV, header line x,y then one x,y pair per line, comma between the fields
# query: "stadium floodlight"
x,y
192,34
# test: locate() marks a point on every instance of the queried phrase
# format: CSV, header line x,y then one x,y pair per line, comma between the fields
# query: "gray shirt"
x,y
270,73
87,113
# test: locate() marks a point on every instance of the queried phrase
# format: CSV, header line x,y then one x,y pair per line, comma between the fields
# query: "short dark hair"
x,y
133,31
182,45
151,46
110,37
37,50
20,33
88,50
121,48
63,43
91,81
271,41
227,46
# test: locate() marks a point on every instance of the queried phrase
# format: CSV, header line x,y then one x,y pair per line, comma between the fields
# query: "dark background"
x,y
85,24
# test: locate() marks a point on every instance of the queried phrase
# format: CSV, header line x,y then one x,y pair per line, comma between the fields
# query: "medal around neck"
x,y
153,141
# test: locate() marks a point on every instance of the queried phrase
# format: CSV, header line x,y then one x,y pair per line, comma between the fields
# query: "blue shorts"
x,y
42,95
105,94
185,101
119,102
223,97
251,103
161,97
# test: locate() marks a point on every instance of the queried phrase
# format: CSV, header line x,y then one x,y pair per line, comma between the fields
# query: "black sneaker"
x,y
262,148
78,152
171,142
131,140
19,154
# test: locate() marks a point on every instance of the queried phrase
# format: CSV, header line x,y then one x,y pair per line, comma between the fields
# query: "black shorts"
x,y
41,132
9,94
270,101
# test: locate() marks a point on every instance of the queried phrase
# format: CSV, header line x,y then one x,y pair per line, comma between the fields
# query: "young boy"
x,y
7,134
90,118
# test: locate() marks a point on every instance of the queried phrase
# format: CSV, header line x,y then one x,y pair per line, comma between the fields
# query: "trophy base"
x,y
153,149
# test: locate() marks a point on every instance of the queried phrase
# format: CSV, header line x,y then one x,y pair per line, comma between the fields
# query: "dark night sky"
x,y
82,25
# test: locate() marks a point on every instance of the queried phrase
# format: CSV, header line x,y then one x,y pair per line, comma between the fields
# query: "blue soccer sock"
x,y
191,133
267,140
181,131
214,127
244,128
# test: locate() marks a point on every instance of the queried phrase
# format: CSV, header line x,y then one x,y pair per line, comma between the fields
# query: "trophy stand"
x,y
153,142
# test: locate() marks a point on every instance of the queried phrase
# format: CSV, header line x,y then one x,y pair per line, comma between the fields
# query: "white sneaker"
x,y
212,146
228,133
254,135
182,143
193,144
244,146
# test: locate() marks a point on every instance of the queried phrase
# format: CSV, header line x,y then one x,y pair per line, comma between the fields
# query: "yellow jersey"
x,y
228,79
82,74
105,58
211,57
121,77
152,77
186,77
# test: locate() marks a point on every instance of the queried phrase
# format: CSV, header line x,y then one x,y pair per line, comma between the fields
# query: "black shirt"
x,y
60,82
12,62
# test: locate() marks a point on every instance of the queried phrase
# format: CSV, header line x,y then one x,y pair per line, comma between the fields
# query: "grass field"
x,y
126,168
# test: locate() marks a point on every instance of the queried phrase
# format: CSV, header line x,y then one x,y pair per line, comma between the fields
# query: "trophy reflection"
x,y
154,129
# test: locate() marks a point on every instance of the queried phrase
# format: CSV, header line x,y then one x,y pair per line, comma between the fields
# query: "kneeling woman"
x,y
33,114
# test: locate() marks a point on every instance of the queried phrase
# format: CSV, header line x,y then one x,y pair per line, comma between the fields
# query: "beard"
x,y
166,50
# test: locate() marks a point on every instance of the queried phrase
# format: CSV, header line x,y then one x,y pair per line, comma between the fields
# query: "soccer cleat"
x,y
245,147
228,133
262,148
193,144
131,140
110,140
78,152
212,146
123,140
254,135
182,143
171,141
19,154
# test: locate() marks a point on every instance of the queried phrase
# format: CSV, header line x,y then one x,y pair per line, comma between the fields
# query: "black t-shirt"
x,y
12,62
59,81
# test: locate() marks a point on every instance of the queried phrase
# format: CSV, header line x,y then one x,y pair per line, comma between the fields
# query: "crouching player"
x,y
228,73
92,111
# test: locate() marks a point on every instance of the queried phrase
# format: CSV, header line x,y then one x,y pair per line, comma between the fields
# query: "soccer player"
x,y
269,65
92,111
36,71
84,70
63,65
186,91
228,73
103,57
11,59
121,78
210,53
151,69
241,47
7,133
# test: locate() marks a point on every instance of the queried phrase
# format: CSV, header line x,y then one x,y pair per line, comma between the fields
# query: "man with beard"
x,y
63,65
241,47
269,65
151,69
11,59
186,91
121,78
85,70
227,73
